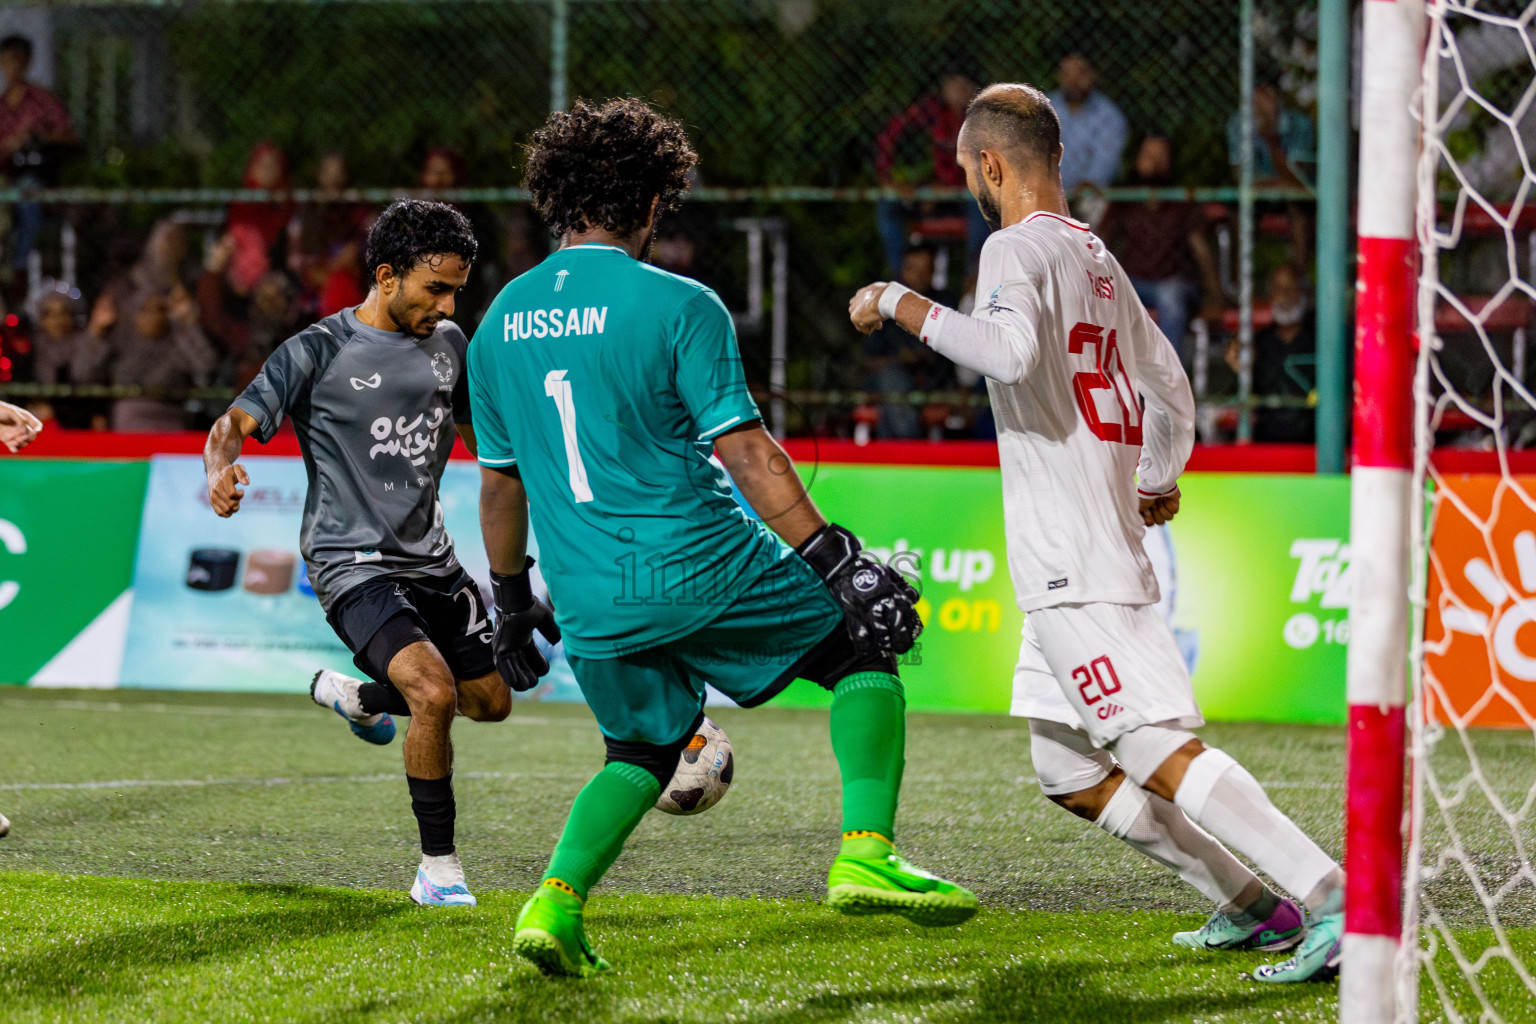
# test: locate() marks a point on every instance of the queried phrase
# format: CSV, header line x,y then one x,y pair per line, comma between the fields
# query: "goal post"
x,y
1444,563
1381,509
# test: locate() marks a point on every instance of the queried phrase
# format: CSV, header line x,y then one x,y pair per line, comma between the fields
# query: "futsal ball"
x,y
703,774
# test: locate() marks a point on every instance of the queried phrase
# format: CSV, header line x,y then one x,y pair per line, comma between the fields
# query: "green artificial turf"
x,y
251,859
98,949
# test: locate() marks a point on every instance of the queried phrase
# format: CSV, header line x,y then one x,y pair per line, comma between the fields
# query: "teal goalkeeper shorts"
x,y
749,653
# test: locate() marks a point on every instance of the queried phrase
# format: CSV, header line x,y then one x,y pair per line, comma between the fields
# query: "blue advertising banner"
x,y
225,604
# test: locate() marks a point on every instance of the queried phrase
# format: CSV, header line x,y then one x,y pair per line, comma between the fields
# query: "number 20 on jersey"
x,y
1109,374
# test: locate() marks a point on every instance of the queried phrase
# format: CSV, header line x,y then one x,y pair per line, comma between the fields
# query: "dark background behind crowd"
x,y
184,302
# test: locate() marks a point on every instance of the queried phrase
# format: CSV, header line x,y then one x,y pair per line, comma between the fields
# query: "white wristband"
x,y
890,297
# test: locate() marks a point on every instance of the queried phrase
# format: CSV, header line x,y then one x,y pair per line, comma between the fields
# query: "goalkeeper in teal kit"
x,y
600,385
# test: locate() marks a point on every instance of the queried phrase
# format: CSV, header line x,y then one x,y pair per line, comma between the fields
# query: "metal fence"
x,y
785,100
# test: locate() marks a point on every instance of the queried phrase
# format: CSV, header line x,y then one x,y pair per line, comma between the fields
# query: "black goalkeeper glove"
x,y
877,600
518,614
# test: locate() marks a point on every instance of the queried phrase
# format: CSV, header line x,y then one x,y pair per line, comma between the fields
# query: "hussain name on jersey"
x,y
553,323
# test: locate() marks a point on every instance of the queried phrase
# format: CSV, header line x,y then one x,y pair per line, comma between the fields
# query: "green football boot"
x,y
550,935
870,877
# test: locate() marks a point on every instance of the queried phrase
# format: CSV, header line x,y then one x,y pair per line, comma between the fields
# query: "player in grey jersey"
x,y
375,394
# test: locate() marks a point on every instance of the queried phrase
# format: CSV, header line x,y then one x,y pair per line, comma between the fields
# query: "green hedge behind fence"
x,y
777,91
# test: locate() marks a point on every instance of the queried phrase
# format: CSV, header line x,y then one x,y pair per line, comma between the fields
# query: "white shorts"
x,y
1102,668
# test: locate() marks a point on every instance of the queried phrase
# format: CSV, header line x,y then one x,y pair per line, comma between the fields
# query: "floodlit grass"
x,y
99,949
191,857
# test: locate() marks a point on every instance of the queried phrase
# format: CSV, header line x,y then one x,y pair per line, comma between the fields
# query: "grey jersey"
x,y
375,414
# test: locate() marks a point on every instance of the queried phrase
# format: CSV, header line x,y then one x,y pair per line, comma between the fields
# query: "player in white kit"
x,y
1095,422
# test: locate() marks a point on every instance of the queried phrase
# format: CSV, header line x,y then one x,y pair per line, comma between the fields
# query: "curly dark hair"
x,y
411,230
600,167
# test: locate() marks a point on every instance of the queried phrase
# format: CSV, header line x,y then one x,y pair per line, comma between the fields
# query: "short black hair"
x,y
600,167
411,230
1013,118
17,44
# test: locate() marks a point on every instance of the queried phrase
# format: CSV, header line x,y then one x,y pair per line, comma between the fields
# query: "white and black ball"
x,y
704,771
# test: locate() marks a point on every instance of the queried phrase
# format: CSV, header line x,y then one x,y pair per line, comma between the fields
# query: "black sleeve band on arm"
x,y
513,593
828,550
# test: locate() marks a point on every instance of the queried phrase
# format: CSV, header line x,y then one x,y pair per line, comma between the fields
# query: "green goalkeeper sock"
x,y
869,734
606,811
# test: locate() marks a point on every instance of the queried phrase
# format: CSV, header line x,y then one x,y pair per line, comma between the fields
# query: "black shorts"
x,y
381,617
829,663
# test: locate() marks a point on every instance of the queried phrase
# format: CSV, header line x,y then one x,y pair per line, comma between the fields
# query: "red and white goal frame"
x,y
1381,509
1443,582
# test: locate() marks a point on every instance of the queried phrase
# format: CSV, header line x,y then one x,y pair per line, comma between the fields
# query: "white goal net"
x,y
1469,943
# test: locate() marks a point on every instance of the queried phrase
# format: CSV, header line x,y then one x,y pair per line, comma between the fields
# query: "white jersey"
x,y
1067,348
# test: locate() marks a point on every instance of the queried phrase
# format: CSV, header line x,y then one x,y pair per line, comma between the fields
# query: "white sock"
x,y
444,871
1224,798
1151,825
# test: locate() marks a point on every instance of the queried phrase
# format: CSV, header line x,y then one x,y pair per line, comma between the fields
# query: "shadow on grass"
x,y
120,961
1063,991
837,1005
1059,993
553,999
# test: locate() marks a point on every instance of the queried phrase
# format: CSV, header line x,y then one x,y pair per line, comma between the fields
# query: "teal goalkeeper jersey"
x,y
605,381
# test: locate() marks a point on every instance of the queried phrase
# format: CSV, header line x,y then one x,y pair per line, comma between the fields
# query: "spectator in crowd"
x,y
937,116
34,125
258,226
1163,247
158,267
1284,146
898,364
1093,130
224,294
159,345
1284,361
62,353
1284,156
326,240
444,168
246,308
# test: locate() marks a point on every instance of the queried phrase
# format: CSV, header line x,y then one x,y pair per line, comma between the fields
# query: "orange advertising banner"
x,y
1480,627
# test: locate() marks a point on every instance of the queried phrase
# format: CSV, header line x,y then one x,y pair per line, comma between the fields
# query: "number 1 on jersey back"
x,y
558,388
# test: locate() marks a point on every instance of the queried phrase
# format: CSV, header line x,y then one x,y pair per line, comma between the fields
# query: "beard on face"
x,y
990,211
400,313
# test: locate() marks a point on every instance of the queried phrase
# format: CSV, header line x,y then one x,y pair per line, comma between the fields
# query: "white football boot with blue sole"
x,y
339,693
440,883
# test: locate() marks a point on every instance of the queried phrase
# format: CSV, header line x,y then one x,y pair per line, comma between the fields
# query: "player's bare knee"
x,y
437,702
1089,803
1169,776
1067,763
1156,756
430,692
492,704
498,711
